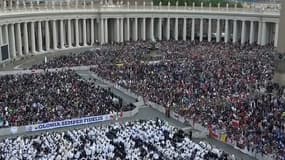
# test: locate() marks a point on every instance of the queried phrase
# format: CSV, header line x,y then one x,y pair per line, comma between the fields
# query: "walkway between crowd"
x,y
22,66
149,113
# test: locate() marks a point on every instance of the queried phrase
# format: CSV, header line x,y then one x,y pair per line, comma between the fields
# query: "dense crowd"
x,y
130,141
52,96
116,53
222,86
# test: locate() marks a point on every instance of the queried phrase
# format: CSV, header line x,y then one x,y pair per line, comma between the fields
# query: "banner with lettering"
x,y
68,123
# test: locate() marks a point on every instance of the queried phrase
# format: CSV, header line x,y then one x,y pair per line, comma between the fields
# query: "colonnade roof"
x,y
19,12
128,9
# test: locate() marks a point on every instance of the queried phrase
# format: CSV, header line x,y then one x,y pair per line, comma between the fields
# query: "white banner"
x,y
67,123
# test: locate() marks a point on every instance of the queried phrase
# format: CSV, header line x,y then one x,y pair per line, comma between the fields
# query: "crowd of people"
x,y
225,87
153,139
52,96
107,54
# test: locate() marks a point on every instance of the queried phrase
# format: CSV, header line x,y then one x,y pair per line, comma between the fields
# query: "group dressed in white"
x,y
153,139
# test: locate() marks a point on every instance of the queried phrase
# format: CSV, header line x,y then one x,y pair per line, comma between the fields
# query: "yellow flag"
x,y
224,138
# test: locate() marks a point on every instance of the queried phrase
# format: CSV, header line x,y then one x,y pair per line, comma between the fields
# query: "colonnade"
x,y
26,38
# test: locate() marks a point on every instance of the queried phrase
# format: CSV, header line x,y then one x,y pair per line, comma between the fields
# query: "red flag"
x,y
213,133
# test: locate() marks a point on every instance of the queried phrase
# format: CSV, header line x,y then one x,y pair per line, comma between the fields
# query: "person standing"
x,y
167,110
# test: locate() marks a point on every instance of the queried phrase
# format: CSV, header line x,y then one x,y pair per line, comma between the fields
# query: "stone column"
x,y
168,29
143,29
33,43
106,30
6,33
17,4
118,30
184,29
1,40
252,31
12,41
243,32
62,34
218,32
160,29
92,4
176,29
151,29
226,31
102,41
201,29
235,32
26,45
281,27
136,30
276,34
19,39
84,32
76,3
11,6
264,29
88,32
68,4
92,31
47,35
40,37
76,33
210,30
46,4
69,33
128,30
193,30
54,31
31,5
259,38
4,5
122,30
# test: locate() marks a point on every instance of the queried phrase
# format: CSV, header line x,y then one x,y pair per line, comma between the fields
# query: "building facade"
x,y
32,29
